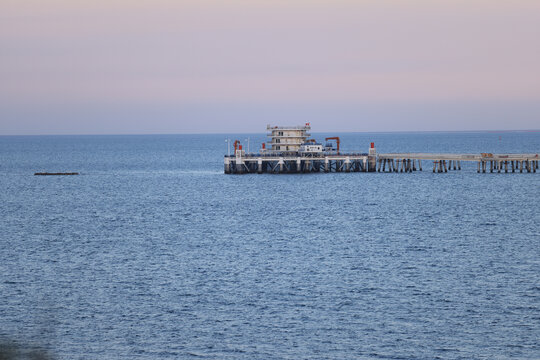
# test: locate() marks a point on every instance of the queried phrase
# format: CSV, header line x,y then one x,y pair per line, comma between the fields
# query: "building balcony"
x,y
303,135
305,127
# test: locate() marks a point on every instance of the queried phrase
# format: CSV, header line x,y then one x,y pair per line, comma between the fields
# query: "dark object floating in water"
x,y
46,173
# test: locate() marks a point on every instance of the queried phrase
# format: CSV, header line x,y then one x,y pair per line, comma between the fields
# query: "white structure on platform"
x,y
311,148
287,138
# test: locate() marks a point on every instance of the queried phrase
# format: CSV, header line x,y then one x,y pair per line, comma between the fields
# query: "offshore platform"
x,y
290,150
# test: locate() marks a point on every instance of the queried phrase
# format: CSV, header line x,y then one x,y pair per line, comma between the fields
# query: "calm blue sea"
x,y
153,253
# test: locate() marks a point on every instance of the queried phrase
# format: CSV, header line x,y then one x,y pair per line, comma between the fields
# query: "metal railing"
x,y
303,127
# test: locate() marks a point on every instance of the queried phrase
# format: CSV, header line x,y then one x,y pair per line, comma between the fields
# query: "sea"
x,y
152,252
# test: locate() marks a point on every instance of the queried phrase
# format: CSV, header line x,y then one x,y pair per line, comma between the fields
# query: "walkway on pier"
x,y
408,162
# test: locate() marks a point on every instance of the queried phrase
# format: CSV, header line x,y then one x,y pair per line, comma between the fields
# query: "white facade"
x,y
287,138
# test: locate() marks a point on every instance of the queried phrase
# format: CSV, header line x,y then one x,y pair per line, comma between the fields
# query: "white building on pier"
x,y
287,138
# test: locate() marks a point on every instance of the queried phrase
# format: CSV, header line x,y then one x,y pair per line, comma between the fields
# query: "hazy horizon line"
x,y
256,133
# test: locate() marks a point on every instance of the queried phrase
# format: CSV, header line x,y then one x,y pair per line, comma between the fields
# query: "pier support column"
x,y
506,166
227,165
434,165
459,164
347,164
326,165
521,166
307,165
478,171
499,166
419,164
491,166
372,163
280,162
239,164
298,165
259,166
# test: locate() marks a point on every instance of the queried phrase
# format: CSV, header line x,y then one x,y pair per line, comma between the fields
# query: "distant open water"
x,y
153,253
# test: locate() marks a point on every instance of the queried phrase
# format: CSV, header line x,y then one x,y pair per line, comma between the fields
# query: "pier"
x,y
290,151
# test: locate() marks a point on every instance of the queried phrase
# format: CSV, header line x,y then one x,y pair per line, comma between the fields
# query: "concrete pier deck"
x,y
459,157
287,164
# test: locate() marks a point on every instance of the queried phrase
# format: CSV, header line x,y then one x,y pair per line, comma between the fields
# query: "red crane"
x,y
337,141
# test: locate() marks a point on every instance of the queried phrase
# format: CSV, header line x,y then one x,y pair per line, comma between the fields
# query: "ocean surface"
x,y
153,253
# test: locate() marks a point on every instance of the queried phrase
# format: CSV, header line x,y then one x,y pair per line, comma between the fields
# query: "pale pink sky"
x,y
233,66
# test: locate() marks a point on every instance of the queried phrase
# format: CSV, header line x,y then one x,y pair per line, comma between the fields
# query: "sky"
x,y
229,66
